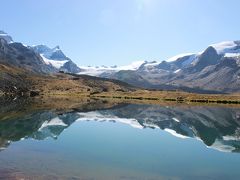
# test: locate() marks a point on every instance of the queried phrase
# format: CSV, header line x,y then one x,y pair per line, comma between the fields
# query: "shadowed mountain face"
x,y
40,58
216,127
56,58
18,55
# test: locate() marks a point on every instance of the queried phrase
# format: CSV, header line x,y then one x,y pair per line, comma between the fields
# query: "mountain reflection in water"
x,y
216,127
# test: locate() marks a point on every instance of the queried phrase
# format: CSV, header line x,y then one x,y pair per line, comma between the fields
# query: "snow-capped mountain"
x,y
56,58
49,59
98,116
51,53
216,69
20,55
223,49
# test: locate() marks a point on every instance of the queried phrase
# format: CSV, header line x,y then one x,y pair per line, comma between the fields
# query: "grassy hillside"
x,y
17,81
13,80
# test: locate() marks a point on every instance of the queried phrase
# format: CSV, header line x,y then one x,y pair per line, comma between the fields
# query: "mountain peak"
x,y
57,48
210,49
2,32
6,37
50,53
56,58
41,49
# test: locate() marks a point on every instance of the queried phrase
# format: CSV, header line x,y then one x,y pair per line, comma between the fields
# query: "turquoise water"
x,y
126,142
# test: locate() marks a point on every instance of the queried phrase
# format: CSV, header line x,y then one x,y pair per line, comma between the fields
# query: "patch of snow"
x,y
151,125
96,116
92,71
218,145
231,138
174,58
133,66
54,122
224,47
177,71
54,63
191,59
96,71
174,133
3,34
151,63
232,54
175,119
57,48
25,45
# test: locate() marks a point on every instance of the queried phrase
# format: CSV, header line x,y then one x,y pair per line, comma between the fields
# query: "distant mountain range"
x,y
214,70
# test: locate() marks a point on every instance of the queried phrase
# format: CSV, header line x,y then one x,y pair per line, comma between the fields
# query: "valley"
x,y
43,72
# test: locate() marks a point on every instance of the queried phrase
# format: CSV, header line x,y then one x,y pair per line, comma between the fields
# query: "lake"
x,y
119,141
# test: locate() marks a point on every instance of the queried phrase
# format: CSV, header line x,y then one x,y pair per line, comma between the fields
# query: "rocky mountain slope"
x,y
18,55
38,58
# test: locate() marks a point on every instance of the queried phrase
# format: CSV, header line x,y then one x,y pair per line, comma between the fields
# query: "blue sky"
x,y
109,32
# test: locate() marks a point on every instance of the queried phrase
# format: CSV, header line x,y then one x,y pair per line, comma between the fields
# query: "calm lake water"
x,y
123,142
